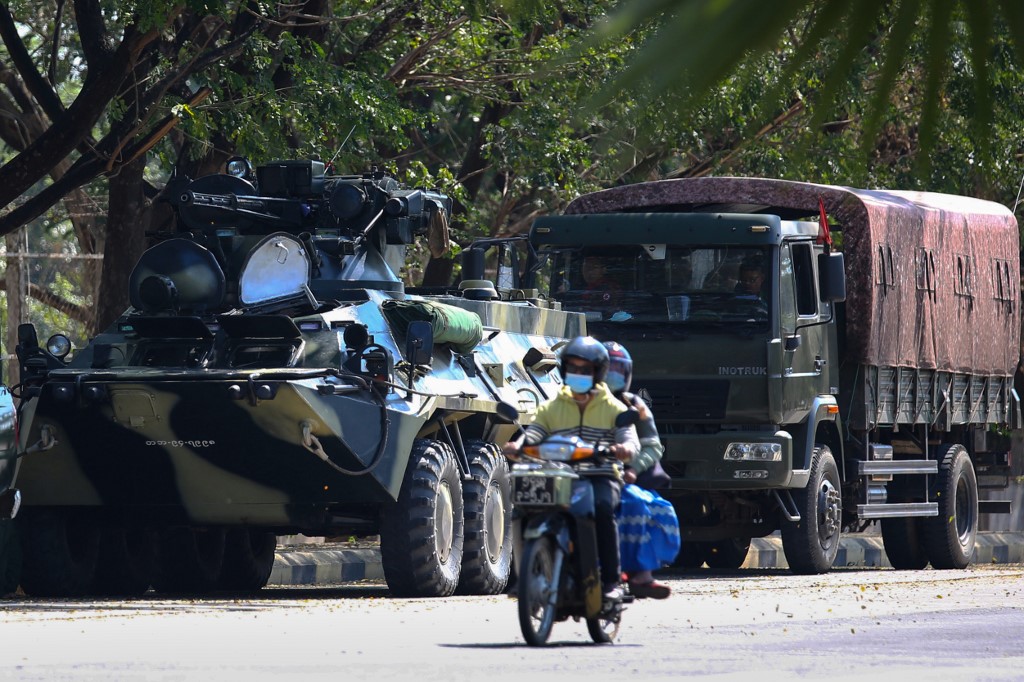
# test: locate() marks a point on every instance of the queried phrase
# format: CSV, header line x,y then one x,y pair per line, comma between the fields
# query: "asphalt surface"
x,y
332,563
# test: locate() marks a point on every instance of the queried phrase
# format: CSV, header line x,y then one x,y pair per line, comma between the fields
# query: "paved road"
x,y
853,624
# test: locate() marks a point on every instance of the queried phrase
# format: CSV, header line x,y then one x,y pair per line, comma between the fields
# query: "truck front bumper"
x,y
757,460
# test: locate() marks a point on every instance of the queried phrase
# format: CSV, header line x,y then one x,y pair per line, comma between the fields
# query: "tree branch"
x,y
76,312
37,85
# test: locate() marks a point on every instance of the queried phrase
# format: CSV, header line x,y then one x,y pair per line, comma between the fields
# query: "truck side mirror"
x,y
832,277
419,343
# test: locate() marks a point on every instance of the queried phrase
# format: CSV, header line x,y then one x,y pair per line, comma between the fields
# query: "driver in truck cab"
x,y
587,409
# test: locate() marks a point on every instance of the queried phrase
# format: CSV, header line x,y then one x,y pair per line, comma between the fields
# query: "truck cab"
x,y
783,405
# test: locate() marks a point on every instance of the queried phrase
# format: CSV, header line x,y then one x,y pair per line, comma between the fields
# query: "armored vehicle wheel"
x,y
811,544
487,497
60,552
903,544
191,560
421,535
537,588
691,555
949,537
127,562
728,553
248,560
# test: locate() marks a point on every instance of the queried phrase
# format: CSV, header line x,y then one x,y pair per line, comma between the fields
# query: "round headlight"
x,y
239,167
58,345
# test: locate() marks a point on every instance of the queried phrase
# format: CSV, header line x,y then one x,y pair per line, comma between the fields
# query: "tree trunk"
x,y
15,281
125,242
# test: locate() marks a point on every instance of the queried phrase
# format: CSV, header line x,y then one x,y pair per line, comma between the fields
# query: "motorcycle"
x,y
553,503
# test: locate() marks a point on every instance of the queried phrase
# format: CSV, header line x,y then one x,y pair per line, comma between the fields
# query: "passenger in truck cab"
x,y
751,278
601,290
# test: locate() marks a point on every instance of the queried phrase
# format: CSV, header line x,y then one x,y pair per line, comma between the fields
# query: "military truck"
x,y
798,386
274,376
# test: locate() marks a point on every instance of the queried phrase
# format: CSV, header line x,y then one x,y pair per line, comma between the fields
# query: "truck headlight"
x,y
753,452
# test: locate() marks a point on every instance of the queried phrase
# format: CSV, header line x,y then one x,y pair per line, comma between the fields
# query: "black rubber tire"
x,y
421,534
604,630
191,560
487,507
536,580
127,562
728,553
248,560
949,537
691,555
903,543
60,553
811,544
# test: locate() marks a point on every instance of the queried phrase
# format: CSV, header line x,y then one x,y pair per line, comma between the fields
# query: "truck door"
x,y
804,371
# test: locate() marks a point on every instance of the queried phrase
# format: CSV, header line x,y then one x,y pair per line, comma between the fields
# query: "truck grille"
x,y
693,399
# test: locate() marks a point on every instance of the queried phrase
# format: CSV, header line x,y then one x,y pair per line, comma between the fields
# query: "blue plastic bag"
x,y
648,530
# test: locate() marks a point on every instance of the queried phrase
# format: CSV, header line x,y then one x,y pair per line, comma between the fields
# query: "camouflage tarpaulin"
x,y
932,279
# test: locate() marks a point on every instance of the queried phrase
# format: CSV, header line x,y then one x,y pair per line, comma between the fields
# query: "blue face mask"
x,y
616,381
579,383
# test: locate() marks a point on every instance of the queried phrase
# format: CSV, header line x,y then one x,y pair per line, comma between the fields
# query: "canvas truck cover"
x,y
932,279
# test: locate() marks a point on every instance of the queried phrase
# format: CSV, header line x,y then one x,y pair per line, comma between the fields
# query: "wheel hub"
x,y
444,523
494,523
829,510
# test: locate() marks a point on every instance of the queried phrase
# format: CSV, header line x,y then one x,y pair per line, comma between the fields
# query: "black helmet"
x,y
590,349
619,361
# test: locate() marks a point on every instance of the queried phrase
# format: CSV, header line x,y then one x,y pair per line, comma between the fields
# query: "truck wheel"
x,y
691,555
127,562
191,560
60,553
248,560
811,544
728,553
949,537
487,504
902,541
421,534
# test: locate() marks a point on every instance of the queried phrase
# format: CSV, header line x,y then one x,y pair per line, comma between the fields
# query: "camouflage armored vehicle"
x,y
273,376
800,388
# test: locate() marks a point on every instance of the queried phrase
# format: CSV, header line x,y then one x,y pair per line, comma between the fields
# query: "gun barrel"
x,y
227,201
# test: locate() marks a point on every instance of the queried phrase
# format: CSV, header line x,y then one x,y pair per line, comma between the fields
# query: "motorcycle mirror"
x,y
627,418
507,414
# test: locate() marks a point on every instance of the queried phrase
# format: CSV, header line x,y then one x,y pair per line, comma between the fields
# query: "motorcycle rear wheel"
x,y
604,630
537,582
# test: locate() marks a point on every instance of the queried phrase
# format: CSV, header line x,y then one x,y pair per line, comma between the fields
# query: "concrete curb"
x,y
331,564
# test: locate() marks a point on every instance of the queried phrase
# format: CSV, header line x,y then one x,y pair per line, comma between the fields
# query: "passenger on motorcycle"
x,y
587,409
645,471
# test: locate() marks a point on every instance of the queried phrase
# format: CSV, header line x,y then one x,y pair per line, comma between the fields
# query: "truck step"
x,y
899,466
993,506
897,509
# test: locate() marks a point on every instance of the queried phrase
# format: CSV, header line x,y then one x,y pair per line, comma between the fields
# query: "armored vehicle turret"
x,y
273,376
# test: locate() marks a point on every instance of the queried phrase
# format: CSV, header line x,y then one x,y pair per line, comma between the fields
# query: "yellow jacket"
x,y
596,424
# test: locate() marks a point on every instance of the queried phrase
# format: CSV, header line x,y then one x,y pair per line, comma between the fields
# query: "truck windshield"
x,y
711,286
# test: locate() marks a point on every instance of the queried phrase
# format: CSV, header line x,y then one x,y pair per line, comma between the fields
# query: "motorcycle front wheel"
x,y
538,586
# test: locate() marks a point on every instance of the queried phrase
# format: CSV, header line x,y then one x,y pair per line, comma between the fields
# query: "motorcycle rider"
x,y
587,409
644,469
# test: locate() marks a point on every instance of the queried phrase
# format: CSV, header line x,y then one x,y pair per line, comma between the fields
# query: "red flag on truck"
x,y
824,234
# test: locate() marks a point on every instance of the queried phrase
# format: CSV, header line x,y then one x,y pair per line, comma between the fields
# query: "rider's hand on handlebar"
x,y
620,452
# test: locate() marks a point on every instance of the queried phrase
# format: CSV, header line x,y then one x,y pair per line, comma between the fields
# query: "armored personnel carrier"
x,y
273,376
